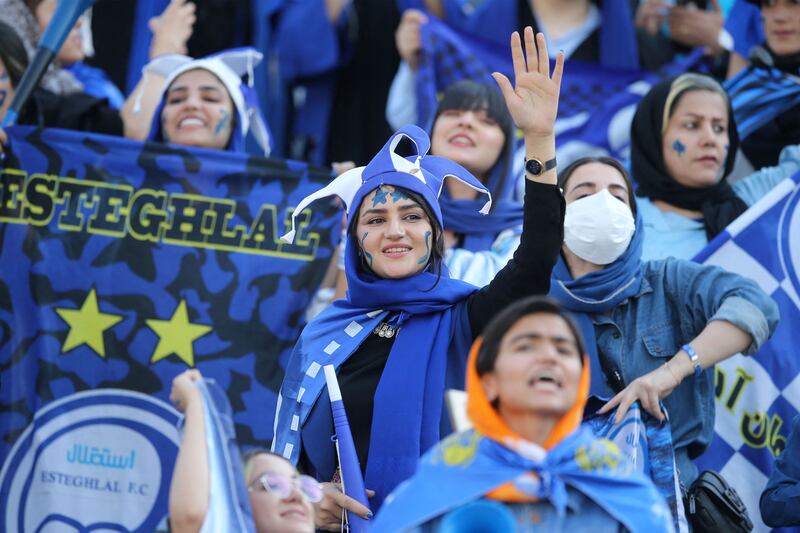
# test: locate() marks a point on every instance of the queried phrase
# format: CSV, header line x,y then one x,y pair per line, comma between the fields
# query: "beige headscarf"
x,y
16,14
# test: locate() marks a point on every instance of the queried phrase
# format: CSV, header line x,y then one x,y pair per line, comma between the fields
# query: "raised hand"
x,y
408,37
184,391
533,100
172,28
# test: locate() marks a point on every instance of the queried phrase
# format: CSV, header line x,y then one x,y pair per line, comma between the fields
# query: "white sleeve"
x,y
401,104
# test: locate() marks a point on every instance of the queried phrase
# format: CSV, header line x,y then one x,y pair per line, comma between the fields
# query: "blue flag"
x,y
759,95
757,397
123,265
596,103
228,503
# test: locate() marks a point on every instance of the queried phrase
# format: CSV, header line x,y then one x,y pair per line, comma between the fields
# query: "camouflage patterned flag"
x,y
121,265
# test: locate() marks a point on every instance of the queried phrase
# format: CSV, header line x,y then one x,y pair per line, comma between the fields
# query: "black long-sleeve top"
x,y
526,274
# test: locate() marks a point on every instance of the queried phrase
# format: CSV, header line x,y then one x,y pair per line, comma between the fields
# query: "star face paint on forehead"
x,y
679,147
398,195
380,196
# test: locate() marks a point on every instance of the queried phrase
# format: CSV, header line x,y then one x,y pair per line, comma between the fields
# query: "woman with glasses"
x,y
281,500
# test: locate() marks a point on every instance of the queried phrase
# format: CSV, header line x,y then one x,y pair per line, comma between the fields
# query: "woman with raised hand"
x,y
280,498
683,147
527,455
655,329
473,128
400,337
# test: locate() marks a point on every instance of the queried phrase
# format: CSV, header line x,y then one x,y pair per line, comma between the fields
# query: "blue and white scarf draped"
x,y
429,355
466,466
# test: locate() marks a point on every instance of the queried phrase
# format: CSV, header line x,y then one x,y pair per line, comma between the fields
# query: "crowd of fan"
x,y
610,242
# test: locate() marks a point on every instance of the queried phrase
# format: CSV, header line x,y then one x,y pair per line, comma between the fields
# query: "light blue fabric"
x,y
675,302
673,235
228,503
97,83
466,466
582,516
479,268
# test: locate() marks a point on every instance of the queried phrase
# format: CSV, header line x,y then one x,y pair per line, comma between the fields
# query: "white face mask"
x,y
598,228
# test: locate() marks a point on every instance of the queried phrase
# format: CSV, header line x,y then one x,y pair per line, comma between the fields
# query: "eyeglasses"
x,y
282,485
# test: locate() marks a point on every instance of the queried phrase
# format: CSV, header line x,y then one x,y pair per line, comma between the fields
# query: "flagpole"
x,y
352,480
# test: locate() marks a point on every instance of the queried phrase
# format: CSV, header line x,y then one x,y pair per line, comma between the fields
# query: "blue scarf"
x,y
466,466
428,354
598,292
480,231
408,402
407,410
758,95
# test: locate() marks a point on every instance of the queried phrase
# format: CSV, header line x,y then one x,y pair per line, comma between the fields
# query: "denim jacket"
x,y
676,301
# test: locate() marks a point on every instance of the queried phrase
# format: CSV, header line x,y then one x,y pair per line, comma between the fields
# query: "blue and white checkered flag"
x,y
757,397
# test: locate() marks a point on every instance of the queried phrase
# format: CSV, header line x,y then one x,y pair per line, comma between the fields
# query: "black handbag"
x,y
712,505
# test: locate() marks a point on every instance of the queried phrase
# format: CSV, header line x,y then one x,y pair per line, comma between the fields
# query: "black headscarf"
x,y
718,203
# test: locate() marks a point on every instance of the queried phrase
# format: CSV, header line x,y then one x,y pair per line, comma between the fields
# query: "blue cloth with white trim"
x,y
466,466
432,313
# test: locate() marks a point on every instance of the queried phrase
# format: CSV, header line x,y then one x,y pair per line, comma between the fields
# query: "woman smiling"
x,y
399,338
204,103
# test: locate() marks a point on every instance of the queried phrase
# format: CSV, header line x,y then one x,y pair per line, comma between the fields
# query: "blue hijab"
x,y
598,292
408,401
480,231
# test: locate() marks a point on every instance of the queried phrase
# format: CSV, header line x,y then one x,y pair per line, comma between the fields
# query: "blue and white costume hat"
x,y
229,66
423,174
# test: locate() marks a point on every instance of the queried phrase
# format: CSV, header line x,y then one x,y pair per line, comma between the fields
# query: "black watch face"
x,y
533,166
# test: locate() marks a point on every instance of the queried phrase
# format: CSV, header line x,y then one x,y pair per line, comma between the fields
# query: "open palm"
x,y
533,102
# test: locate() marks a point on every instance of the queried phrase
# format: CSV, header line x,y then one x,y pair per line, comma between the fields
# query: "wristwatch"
x,y
536,167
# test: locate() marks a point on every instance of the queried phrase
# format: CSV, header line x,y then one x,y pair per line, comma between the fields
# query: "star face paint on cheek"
x,y
367,255
427,249
380,196
223,122
679,147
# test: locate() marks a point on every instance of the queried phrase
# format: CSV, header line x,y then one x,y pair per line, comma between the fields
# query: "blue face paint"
x,y
679,147
398,195
366,253
427,249
380,196
222,122
3,95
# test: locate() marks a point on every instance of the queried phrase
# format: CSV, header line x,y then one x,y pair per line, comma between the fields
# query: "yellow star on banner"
x,y
86,325
176,335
